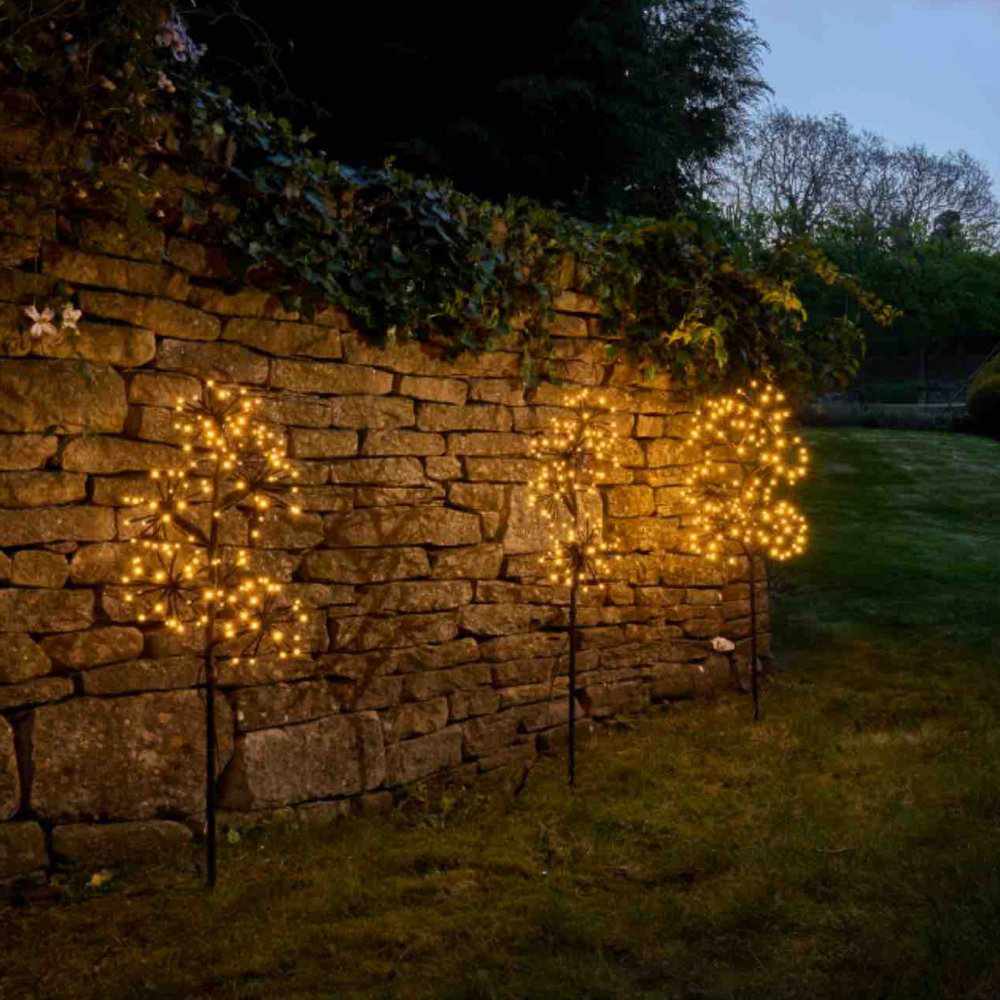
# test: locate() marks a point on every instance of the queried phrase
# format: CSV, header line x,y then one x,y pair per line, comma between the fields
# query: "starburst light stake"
x,y
573,457
183,575
748,456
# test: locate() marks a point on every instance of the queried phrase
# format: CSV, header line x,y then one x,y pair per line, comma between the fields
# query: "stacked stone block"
x,y
437,645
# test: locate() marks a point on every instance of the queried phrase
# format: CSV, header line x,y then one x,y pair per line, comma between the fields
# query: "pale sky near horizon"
x,y
925,71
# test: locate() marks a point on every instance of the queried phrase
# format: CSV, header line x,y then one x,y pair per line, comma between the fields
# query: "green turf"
x,y
847,846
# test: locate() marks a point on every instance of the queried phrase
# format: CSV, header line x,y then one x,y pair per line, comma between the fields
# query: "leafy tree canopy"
x,y
588,105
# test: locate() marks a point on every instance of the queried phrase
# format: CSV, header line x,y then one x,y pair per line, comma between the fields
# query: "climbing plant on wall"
x,y
137,132
188,576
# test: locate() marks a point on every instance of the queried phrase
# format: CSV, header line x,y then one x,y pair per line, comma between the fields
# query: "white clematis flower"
x,y
41,322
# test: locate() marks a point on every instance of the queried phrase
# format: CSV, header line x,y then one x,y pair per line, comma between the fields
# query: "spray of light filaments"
x,y
181,575
748,454
574,455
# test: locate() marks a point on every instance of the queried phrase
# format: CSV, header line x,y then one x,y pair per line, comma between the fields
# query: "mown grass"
x,y
846,846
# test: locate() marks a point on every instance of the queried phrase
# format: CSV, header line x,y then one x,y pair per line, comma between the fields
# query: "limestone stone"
x,y
487,443
140,242
196,258
402,443
530,645
469,704
283,530
645,534
213,359
283,338
94,648
365,632
22,849
404,526
286,704
295,411
630,501
474,562
443,467
331,379
10,780
80,268
37,568
71,396
507,592
24,610
503,619
122,346
481,417
53,524
425,684
402,471
422,358
337,755
111,454
415,596
482,736
505,392
323,443
244,302
513,673
21,659
133,676
371,412
104,562
649,427
414,759
112,844
26,451
672,681
35,692
365,565
439,390
667,451
417,718
406,660
136,757
40,489
499,470
161,388
477,496
396,496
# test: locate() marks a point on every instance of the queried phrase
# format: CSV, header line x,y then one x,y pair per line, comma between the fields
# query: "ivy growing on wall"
x,y
139,133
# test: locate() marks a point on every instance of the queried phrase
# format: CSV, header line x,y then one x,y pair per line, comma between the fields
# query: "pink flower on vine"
x,y
165,83
41,322
70,316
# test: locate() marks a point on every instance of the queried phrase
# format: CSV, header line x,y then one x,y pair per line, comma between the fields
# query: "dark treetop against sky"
x,y
924,71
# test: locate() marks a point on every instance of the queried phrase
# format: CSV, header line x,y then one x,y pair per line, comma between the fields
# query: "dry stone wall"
x,y
434,639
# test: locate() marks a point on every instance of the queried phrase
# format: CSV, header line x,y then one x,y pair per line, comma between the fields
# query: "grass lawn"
x,y
847,846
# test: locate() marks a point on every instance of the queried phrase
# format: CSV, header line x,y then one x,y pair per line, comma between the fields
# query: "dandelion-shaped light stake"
x,y
573,456
748,455
185,577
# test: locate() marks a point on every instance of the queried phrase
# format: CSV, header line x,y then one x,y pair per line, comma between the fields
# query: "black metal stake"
x,y
753,638
572,679
210,744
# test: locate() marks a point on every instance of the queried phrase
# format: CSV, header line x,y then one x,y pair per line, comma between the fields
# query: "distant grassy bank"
x,y
847,846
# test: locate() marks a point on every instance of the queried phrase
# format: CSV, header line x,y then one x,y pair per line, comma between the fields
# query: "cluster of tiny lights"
x,y
573,456
748,454
182,575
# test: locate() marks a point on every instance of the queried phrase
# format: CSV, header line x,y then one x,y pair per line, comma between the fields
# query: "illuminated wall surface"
x,y
433,632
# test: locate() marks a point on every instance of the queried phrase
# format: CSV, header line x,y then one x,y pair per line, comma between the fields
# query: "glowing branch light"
x,y
748,455
573,458
183,576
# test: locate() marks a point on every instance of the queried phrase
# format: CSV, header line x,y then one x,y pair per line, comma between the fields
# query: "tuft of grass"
x,y
844,847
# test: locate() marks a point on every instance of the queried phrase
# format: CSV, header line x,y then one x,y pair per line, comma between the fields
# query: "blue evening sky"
x,y
924,71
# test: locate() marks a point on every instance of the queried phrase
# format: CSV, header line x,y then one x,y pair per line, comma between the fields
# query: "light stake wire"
x,y
748,454
573,457
186,577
